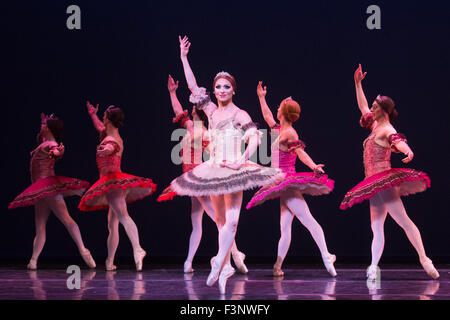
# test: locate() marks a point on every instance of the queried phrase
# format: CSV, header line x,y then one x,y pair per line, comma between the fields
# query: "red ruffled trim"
x,y
384,180
295,145
113,181
181,118
367,120
394,139
167,194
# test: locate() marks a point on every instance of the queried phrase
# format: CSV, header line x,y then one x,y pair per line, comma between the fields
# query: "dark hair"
x,y
55,126
388,105
202,115
116,116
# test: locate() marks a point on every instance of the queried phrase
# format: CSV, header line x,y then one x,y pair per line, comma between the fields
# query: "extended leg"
x,y
41,213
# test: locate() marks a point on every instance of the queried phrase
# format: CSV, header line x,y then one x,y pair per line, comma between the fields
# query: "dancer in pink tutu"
x,y
48,190
115,189
383,185
193,145
228,171
285,150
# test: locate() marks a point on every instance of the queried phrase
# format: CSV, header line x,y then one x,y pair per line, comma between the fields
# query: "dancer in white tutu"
x,y
228,171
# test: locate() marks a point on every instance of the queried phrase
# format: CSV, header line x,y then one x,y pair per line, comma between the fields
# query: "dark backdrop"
x,y
122,56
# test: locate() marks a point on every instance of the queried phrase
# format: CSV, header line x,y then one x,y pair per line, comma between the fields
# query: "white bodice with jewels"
x,y
226,141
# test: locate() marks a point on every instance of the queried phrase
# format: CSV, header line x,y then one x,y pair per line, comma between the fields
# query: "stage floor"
x,y
405,282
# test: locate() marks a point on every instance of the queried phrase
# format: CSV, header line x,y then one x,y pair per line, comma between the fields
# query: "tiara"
x,y
45,118
222,73
288,98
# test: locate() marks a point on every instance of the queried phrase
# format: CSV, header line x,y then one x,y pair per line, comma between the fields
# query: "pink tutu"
x,y
408,181
306,182
48,187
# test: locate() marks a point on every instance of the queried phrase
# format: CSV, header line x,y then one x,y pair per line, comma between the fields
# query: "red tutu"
x,y
408,181
48,187
306,182
137,188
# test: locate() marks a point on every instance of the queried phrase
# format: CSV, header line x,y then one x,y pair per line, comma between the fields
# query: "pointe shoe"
x,y
138,257
429,268
277,272
372,272
87,257
227,271
110,266
328,262
188,267
214,274
238,258
32,265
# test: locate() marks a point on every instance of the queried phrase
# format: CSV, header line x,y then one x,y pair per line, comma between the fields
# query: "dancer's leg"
x,y
113,239
297,205
118,204
58,206
397,211
41,213
378,215
196,234
286,218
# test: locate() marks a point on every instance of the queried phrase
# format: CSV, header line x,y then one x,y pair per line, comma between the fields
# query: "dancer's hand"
x,y
184,46
318,168
359,75
260,90
234,165
102,150
409,157
91,109
172,86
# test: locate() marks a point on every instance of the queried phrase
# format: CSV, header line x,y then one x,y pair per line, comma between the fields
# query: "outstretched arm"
x,y
306,159
184,50
172,86
361,98
267,114
99,126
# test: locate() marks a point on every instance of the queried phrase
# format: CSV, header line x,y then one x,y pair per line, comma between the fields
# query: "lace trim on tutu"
x,y
306,182
367,121
181,118
48,187
95,197
394,139
409,182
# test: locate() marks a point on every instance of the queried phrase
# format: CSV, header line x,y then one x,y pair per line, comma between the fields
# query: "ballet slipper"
x,y
277,272
227,272
238,258
328,261
188,267
109,265
372,272
429,268
87,257
32,265
138,257
214,274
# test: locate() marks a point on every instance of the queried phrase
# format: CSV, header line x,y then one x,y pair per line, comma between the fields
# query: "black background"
x,y
123,55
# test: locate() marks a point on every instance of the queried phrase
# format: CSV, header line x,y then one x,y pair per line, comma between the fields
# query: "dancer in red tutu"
x,y
383,185
285,150
115,189
48,190
193,144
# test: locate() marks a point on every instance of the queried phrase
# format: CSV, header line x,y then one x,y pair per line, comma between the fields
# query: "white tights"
x,y
382,203
293,204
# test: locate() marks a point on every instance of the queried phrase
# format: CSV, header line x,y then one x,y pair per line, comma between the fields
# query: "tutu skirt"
x,y
48,187
408,181
306,182
210,178
136,187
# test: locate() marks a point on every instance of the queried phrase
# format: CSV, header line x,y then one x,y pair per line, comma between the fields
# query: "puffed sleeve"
x,y
251,129
394,139
367,121
114,144
200,97
181,118
54,147
292,146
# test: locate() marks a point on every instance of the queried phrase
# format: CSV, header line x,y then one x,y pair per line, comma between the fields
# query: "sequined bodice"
x,y
192,152
108,163
226,141
282,159
41,164
376,157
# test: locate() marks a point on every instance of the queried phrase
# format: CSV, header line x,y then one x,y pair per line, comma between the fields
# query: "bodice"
x,y
41,164
376,158
108,163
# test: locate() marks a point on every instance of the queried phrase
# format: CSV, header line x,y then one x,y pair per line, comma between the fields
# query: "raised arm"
x,y
361,98
267,114
184,50
306,159
99,126
187,123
